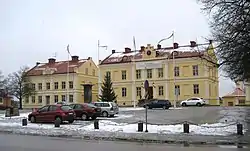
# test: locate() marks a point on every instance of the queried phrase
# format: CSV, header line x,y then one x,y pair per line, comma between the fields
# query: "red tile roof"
x,y
236,92
59,67
183,52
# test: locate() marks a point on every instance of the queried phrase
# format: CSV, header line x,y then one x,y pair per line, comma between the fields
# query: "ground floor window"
x,y
124,92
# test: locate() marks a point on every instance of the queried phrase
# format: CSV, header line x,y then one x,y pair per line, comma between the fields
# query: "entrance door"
x,y
150,93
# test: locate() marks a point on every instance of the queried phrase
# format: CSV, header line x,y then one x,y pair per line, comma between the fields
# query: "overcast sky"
x,y
34,30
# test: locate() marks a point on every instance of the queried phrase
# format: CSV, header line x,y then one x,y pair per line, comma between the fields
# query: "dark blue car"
x,y
164,104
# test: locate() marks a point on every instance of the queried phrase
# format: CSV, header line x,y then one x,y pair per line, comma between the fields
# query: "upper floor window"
x,y
177,90
149,73
195,70
27,99
124,92
71,98
138,74
47,86
93,72
63,97
33,99
161,91
40,99
40,86
86,71
63,85
124,75
176,71
56,85
108,73
71,86
160,72
196,88
138,91
33,86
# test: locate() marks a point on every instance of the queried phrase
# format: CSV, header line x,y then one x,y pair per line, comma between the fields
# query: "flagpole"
x,y
99,72
133,73
67,84
174,73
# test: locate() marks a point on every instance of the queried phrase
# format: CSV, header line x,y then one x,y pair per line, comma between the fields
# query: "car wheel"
x,y
33,119
59,119
198,104
71,121
183,104
105,114
84,117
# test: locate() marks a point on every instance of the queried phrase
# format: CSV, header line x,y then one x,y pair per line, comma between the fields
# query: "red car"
x,y
86,111
50,113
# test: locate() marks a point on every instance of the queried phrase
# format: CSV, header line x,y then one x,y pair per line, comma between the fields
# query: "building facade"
x,y
55,81
182,70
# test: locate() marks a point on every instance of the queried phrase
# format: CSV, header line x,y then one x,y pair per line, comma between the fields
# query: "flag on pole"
x,y
172,35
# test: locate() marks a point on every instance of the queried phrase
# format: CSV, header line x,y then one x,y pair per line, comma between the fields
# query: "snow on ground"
x,y
22,115
222,129
131,108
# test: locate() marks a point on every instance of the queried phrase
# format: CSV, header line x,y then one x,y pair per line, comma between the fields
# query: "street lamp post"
x,y
99,73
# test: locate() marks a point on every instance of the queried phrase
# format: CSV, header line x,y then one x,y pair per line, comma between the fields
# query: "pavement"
x,y
38,143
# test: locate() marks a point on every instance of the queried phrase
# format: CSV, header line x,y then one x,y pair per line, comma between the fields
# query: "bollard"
x,y
96,124
140,127
57,123
24,122
239,129
186,128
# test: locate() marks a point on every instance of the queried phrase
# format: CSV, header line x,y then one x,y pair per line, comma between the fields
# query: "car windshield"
x,y
66,108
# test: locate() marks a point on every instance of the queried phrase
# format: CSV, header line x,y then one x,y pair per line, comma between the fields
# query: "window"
x,y
78,106
149,73
1,100
108,73
52,108
195,70
40,99
56,85
160,72
71,84
26,99
124,74
56,98
40,86
63,97
241,102
44,109
66,108
124,92
86,71
71,98
176,71
196,89
161,91
105,105
33,86
177,90
93,72
47,86
138,74
138,91
33,99
63,85
47,99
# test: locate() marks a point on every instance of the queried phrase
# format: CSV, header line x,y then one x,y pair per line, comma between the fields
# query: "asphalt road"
x,y
38,143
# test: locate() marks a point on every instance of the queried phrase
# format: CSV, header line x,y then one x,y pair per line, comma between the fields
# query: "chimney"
x,y
75,58
89,58
142,48
158,46
37,63
210,42
176,45
193,44
52,60
127,50
113,51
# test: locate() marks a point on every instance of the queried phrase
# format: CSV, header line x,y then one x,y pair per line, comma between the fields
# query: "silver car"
x,y
109,109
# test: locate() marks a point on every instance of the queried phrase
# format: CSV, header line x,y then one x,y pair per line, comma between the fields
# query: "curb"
x,y
134,139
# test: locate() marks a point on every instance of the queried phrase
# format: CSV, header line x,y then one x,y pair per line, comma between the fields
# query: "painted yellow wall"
x,y
233,100
78,78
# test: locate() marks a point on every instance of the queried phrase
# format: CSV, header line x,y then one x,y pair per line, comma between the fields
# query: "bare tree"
x,y
230,24
19,85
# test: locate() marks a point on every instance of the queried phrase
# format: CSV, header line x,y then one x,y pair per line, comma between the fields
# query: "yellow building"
x,y
53,84
189,73
237,97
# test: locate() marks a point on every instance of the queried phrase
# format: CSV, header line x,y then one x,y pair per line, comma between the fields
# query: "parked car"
x,y
194,101
50,113
109,109
86,111
164,104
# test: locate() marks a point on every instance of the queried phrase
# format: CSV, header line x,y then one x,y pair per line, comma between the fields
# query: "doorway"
x,y
150,93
